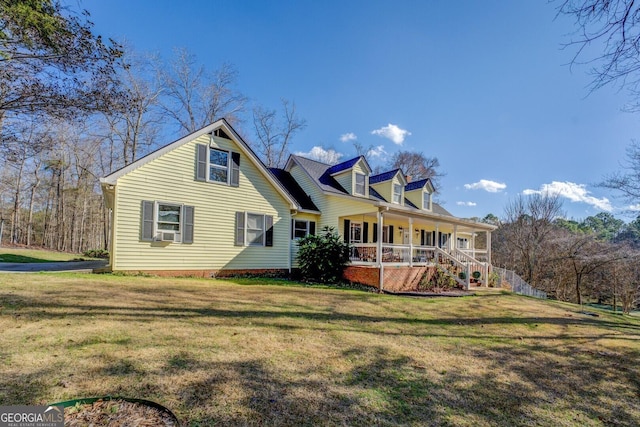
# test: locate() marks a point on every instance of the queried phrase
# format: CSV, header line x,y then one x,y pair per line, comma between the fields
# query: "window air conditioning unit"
x,y
165,236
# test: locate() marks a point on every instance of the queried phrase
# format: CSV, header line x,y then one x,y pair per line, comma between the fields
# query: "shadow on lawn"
x,y
21,259
386,389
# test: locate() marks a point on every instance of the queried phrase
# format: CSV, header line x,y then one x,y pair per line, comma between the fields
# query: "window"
x,y
253,229
463,243
301,228
216,165
385,234
168,217
356,232
360,184
397,193
167,222
426,200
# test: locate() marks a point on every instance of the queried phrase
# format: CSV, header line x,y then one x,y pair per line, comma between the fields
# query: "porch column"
x,y
379,252
473,243
437,242
454,243
410,242
489,249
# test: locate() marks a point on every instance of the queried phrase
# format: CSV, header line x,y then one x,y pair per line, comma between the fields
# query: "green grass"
x,y
36,255
259,353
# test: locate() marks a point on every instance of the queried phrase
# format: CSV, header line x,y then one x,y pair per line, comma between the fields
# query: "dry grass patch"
x,y
260,353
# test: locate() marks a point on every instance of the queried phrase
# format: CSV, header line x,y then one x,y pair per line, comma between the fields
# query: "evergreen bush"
x,y
323,257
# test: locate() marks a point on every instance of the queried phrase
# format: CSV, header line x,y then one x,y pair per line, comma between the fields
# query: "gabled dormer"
x,y
420,194
390,185
352,175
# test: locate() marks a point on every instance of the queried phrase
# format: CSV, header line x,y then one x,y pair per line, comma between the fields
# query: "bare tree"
x,y
627,180
417,166
194,97
274,133
135,121
612,26
527,225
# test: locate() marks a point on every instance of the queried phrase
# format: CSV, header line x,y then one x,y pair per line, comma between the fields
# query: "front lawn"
x,y
218,352
22,255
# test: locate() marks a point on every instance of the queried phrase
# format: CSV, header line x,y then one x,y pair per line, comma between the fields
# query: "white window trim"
x,y
156,230
428,204
246,229
393,193
210,165
306,229
351,227
364,184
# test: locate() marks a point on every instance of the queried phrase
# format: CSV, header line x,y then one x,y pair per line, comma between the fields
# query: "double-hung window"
x,y
360,184
166,222
426,200
168,217
253,229
302,228
217,165
397,194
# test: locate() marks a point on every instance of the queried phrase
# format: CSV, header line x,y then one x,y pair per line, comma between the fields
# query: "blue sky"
x,y
481,85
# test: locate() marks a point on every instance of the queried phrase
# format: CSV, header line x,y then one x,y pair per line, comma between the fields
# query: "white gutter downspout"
x,y
294,213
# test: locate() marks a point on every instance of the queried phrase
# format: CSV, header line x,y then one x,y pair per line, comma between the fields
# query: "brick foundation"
x,y
396,278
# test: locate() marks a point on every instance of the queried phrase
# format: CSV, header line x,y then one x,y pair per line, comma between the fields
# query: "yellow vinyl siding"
x,y
171,178
346,179
416,197
384,189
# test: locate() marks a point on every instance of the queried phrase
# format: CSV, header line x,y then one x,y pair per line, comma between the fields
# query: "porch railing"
x,y
367,253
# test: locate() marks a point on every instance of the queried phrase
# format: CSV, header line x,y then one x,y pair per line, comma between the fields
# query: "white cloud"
x,y
348,137
392,132
376,152
329,156
634,207
466,203
572,191
486,185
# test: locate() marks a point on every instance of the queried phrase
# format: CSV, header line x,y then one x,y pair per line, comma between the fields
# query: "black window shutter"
x,y
235,169
375,233
239,241
422,237
433,238
268,225
147,221
187,233
201,162
312,227
365,232
391,234
293,228
346,236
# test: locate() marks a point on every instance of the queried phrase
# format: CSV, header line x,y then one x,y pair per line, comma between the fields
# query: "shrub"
x,y
323,257
96,253
476,275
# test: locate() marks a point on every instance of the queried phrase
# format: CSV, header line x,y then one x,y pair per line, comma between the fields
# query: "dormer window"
x,y
360,184
397,194
426,200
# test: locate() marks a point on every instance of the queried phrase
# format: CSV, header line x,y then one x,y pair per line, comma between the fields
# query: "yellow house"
x,y
206,205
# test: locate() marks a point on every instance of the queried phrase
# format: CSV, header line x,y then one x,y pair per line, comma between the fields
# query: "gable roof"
x,y
384,176
348,164
292,186
317,171
222,124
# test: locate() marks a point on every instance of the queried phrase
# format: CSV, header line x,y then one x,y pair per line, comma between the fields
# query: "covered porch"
x,y
388,238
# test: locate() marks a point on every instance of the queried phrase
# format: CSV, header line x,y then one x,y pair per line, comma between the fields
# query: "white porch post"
x,y
410,242
473,243
437,239
489,248
454,244
379,252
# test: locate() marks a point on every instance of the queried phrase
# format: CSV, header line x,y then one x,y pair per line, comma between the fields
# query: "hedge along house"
x,y
206,205
396,231
202,205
